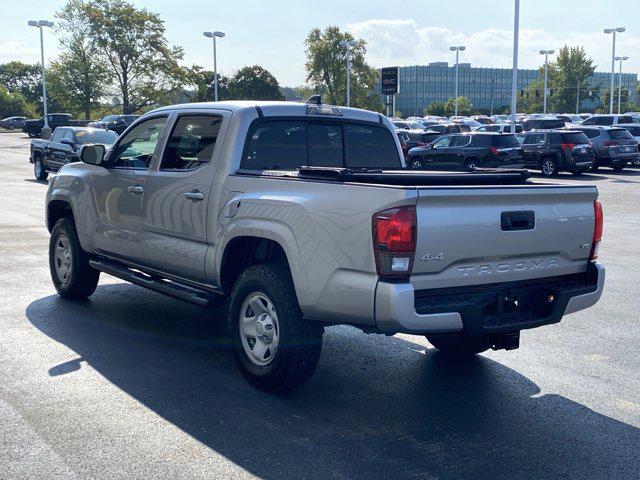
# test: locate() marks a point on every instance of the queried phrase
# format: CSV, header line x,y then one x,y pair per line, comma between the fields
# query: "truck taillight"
x,y
394,241
597,230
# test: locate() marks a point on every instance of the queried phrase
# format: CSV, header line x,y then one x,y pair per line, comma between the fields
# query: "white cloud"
x,y
13,50
404,42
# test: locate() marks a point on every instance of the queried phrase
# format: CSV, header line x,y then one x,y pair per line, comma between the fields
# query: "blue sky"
x,y
271,33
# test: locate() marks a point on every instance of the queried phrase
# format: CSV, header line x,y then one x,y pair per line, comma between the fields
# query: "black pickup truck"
x,y
33,127
64,147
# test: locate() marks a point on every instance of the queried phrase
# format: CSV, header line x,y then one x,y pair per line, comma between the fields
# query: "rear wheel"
x,y
459,345
549,167
39,171
618,168
71,273
415,163
11,127
275,348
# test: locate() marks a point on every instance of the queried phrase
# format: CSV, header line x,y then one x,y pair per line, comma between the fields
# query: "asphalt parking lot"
x,y
132,384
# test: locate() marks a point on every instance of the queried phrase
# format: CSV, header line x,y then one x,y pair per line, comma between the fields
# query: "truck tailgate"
x,y
482,235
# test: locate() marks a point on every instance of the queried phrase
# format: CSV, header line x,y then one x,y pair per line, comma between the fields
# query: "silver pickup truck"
x,y
303,216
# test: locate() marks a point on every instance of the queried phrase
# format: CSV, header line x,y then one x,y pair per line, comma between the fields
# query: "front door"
x,y
175,210
119,190
439,154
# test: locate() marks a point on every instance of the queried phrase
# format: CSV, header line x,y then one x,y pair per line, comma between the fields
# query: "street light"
x,y
348,44
620,59
546,54
40,24
457,49
613,61
213,35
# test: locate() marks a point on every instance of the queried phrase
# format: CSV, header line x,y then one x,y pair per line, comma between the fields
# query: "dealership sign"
x,y
389,80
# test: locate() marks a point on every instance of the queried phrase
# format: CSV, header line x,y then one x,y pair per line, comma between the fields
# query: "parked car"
x,y
414,138
403,138
608,120
569,119
33,128
554,151
614,147
11,123
446,128
408,125
500,128
64,147
542,123
116,123
467,152
634,129
252,201
483,119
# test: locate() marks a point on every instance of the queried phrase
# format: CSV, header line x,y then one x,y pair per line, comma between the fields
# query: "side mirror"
x,y
67,141
92,154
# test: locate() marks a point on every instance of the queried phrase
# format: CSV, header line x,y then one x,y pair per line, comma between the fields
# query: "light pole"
x,y
348,44
457,49
514,75
620,59
546,54
213,35
613,62
40,24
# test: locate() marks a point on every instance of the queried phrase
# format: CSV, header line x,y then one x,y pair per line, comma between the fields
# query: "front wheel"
x,y
11,127
471,164
39,171
618,168
275,348
459,345
71,273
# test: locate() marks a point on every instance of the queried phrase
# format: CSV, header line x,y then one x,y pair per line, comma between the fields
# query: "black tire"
x,y
32,135
549,167
618,168
300,341
11,127
415,163
39,171
595,168
470,164
82,279
459,345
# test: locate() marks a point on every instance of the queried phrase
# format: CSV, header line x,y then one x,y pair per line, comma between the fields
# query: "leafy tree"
x,y
23,78
435,108
202,82
625,104
465,107
303,92
254,83
571,68
130,41
326,69
14,103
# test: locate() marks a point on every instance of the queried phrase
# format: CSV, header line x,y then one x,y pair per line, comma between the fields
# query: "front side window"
x,y
136,148
603,121
191,143
442,142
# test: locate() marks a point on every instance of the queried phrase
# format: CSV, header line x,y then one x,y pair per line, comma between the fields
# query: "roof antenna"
x,y
314,100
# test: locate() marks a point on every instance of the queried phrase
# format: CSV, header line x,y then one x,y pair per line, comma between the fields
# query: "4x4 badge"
x,y
428,257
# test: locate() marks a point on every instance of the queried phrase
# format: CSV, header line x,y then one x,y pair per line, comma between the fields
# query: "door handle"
x,y
194,195
135,189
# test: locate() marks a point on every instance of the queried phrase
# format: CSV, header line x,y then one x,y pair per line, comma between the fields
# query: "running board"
x,y
159,284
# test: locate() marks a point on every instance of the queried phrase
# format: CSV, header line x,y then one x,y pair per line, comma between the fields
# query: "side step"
x,y
159,284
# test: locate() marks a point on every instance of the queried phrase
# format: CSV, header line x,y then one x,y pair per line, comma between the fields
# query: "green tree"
x,y
23,78
465,107
435,108
14,103
141,65
326,69
625,104
201,83
303,92
571,68
254,83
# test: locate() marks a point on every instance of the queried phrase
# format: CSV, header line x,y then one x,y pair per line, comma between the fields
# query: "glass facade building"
x,y
422,85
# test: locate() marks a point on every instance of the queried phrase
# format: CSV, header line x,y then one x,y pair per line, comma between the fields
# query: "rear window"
x,y
575,137
95,136
620,134
287,145
546,124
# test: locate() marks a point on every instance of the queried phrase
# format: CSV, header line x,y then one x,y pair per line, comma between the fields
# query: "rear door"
x,y
463,240
177,196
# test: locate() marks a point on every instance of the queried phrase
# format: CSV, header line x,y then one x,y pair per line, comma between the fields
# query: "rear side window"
x,y
620,134
601,121
575,137
463,128
460,140
533,138
635,131
505,141
191,143
287,145
625,119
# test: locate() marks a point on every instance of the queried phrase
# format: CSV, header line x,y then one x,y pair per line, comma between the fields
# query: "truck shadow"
x,y
377,407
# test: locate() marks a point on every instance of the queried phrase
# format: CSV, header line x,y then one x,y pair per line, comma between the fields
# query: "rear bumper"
x,y
486,309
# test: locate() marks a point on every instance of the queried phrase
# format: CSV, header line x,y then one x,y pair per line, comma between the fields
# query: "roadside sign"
x,y
389,80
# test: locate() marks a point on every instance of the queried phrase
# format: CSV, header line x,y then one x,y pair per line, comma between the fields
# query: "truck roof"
x,y
276,108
